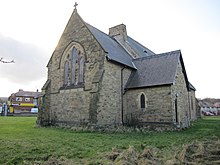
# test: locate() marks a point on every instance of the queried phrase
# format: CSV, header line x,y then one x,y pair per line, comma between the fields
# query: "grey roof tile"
x,y
191,87
149,70
141,50
154,70
115,51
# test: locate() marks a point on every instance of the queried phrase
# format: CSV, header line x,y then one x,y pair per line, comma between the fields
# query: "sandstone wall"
x,y
192,105
74,106
110,100
179,92
158,104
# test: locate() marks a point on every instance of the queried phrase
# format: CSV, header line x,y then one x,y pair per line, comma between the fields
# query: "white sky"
x,y
30,30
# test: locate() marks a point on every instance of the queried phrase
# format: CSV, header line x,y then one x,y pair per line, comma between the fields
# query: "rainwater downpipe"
x,y
122,93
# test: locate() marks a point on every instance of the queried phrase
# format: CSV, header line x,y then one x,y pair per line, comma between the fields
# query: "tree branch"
x,y
3,61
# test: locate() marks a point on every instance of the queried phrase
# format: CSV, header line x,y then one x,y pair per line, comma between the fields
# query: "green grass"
x,y
22,143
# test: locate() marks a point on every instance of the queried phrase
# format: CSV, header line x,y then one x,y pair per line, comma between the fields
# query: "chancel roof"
x,y
154,70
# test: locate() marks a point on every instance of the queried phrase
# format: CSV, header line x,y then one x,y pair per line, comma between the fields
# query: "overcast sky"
x,y
30,30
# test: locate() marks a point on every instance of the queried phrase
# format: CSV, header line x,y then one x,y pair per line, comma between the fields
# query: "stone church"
x,y
103,80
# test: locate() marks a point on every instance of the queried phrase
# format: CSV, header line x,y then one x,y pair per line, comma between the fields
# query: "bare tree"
x,y
3,61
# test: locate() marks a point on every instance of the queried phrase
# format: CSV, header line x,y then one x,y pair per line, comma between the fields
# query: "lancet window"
x,y
74,67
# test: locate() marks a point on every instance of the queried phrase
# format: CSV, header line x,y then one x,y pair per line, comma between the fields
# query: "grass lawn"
x,y
23,143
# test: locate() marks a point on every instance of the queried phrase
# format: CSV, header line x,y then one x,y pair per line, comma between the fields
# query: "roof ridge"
x,y
97,29
171,52
159,55
141,45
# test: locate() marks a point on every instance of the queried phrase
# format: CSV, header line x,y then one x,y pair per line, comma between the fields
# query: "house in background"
x,y
23,102
208,108
3,102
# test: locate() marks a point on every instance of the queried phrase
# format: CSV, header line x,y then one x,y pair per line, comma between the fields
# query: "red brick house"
x,y
23,102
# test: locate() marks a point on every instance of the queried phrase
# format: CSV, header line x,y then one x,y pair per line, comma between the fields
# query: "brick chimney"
x,y
119,32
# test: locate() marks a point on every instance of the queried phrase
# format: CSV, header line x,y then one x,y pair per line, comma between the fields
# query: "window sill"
x,y
72,86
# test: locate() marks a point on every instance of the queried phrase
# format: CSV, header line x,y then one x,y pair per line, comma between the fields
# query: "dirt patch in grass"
x,y
207,152
131,156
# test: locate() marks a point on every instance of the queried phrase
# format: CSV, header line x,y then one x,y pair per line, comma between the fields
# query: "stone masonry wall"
x,y
76,31
158,104
110,104
75,106
43,118
179,92
192,103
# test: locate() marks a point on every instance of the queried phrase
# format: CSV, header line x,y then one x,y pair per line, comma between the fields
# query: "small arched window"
x,y
192,103
142,101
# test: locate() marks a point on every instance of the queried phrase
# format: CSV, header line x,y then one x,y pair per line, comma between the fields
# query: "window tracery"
x,y
73,67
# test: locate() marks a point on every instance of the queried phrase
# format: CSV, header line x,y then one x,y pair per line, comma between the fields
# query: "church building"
x,y
103,80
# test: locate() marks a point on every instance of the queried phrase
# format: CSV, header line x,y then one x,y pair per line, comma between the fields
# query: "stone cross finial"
x,y
75,5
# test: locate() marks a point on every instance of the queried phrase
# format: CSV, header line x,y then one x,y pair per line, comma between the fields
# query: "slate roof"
x,y
27,94
191,87
204,104
154,70
141,50
115,51
150,69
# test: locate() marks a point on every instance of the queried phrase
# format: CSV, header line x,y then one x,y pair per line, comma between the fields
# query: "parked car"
x,y
34,110
209,114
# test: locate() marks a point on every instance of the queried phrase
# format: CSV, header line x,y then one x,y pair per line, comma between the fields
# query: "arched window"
x,y
81,67
192,103
176,110
66,67
74,66
142,101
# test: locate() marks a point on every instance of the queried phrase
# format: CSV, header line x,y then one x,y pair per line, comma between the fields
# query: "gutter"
x,y
122,93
